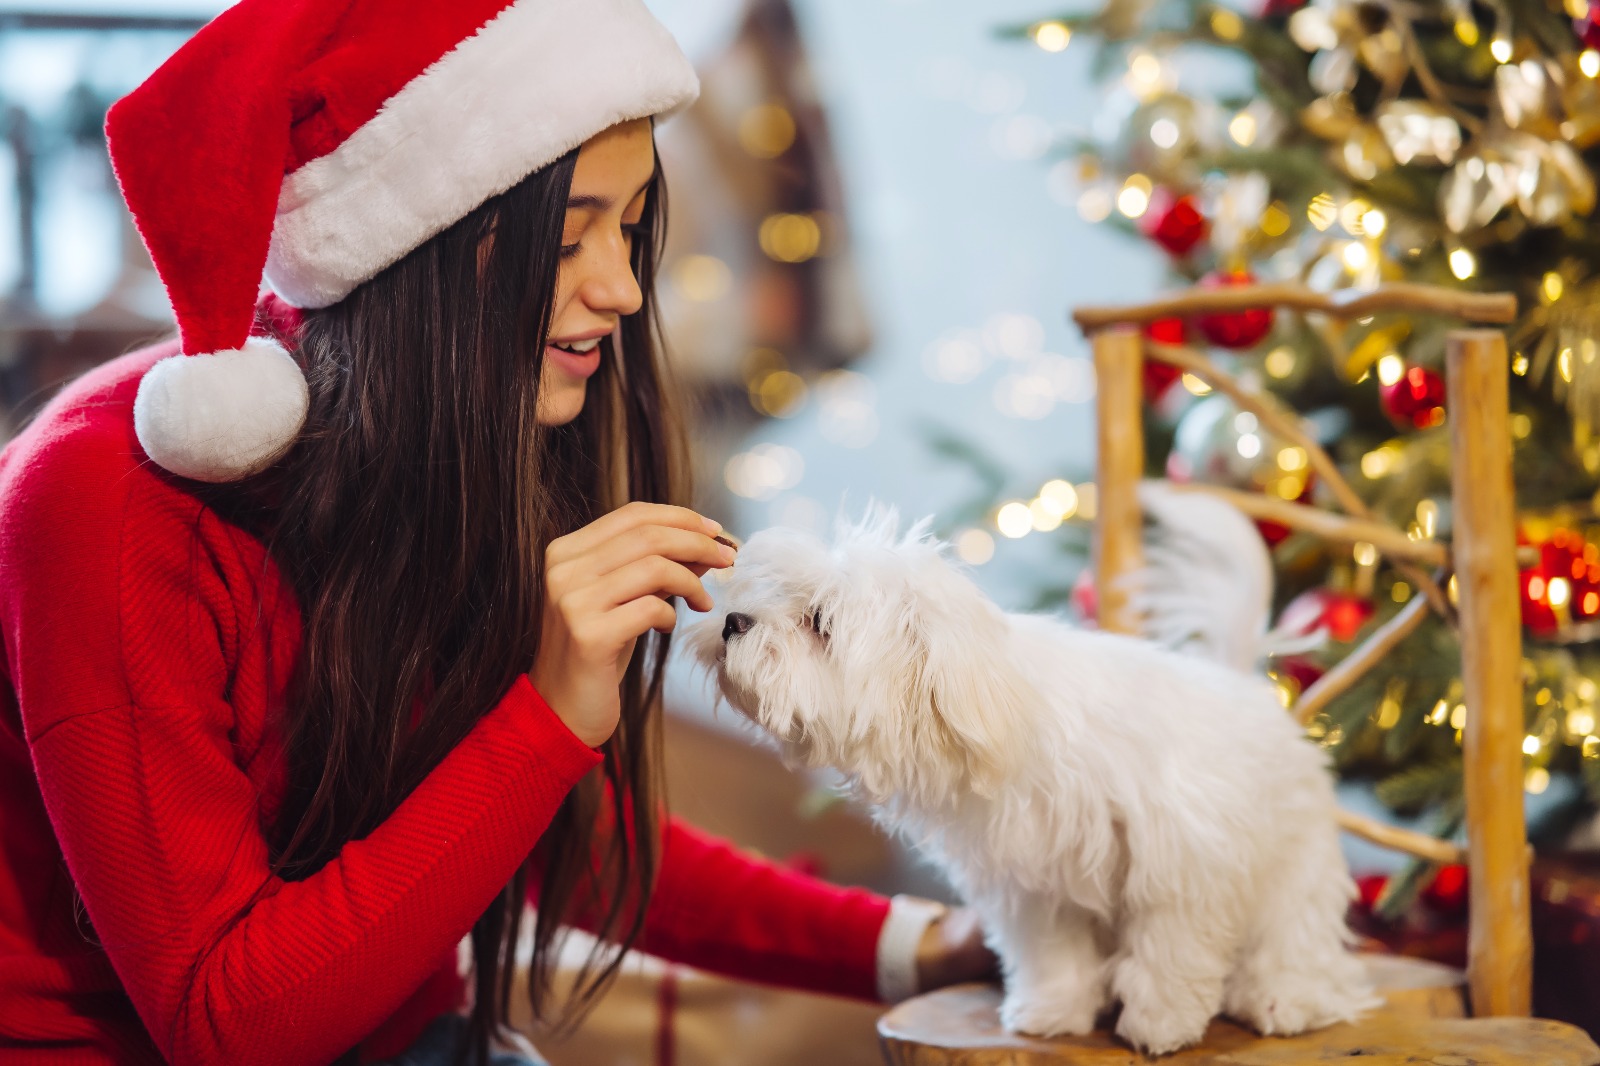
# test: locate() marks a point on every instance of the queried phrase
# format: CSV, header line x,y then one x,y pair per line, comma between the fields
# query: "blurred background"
x,y
871,258
882,212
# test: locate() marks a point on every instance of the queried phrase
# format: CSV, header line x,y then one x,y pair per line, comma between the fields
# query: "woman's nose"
x,y
737,623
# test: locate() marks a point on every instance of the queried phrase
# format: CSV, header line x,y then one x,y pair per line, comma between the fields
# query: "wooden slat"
x,y
1399,296
1500,945
1118,531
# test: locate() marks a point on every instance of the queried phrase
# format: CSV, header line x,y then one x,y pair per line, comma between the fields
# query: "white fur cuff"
x,y
909,917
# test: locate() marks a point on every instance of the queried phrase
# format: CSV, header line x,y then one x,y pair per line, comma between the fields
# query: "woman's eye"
x,y
569,250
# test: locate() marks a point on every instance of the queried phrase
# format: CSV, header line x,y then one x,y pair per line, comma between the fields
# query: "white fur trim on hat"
x,y
221,416
534,83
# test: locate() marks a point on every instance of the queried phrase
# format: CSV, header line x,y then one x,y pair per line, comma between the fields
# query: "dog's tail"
x,y
1206,586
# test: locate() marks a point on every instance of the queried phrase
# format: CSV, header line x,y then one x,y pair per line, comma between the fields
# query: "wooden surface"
x,y
1398,296
1500,944
1119,466
1420,1024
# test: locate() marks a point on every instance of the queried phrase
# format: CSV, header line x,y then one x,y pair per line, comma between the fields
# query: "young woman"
x,y
333,631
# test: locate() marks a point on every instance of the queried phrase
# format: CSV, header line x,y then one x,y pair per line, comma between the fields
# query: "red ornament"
x,y
1159,376
1416,400
1085,599
1234,329
1588,27
1300,669
1174,222
1340,613
1564,585
1280,8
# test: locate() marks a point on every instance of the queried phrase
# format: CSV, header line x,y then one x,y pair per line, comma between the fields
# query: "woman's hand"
x,y
952,950
606,585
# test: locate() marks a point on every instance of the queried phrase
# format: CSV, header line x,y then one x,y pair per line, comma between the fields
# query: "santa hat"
x,y
320,141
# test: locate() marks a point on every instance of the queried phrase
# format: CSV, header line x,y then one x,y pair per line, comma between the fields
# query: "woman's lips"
x,y
579,366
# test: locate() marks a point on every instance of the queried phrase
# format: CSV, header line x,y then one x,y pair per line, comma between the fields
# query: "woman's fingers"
x,y
627,517
650,576
692,549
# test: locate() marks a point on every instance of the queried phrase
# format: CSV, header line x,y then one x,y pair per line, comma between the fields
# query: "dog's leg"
x,y
1175,957
1297,972
1054,969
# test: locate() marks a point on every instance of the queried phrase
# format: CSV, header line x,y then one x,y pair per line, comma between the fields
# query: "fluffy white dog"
x,y
1131,823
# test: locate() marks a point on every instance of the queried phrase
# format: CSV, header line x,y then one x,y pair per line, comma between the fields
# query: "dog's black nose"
x,y
737,623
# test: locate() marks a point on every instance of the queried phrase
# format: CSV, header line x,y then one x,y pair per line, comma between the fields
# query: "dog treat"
x,y
723,538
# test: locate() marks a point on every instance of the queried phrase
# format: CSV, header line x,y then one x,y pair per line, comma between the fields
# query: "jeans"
x,y
437,1047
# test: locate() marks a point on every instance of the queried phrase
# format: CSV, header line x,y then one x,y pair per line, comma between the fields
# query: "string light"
x,y
1356,257
1227,25
1536,781
1242,128
1560,591
1400,592
1275,219
1440,712
1391,368
1591,747
1014,520
766,132
1134,199
1279,362
1195,385
1521,426
1458,717
1519,365
1564,364
1321,211
1060,496
1500,48
1374,222
1365,554
1463,264
1530,745
1051,36
1466,31
975,547
1292,459
1428,517
1551,287
1589,63
790,238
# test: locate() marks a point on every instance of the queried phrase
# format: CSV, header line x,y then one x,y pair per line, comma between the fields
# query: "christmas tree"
x,y
1439,141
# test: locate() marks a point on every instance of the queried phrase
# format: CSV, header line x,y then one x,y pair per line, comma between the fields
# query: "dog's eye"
x,y
816,623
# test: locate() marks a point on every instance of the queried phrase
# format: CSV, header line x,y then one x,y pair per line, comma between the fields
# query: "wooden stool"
x,y
1421,1022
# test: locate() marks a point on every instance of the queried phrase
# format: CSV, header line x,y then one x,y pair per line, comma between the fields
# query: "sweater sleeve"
x,y
720,910
117,628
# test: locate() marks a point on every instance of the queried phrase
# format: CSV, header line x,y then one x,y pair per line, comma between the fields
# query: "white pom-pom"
x,y
224,415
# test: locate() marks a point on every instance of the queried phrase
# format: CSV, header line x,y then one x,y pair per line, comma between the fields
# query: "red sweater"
x,y
139,766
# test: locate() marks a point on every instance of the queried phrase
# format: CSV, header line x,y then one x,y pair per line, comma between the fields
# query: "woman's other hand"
x,y
606,585
952,950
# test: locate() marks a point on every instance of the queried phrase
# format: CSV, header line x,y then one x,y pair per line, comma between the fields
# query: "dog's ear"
x,y
975,700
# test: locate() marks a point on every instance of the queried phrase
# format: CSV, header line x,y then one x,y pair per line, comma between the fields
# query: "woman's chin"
x,y
562,404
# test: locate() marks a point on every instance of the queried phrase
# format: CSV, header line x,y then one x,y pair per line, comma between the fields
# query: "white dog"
x,y
1131,823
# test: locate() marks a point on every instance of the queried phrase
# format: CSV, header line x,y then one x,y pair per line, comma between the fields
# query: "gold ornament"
x,y
1417,131
1478,188
1580,98
1162,134
1365,154
1383,54
1332,117
1530,96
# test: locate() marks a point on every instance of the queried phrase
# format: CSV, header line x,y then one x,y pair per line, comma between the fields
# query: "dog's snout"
x,y
737,623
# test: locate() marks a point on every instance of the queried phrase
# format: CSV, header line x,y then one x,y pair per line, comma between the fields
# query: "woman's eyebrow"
x,y
593,202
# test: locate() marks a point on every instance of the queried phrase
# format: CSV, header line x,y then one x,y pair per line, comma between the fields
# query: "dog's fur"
x,y
1132,824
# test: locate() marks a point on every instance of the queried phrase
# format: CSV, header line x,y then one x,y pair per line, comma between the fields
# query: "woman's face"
x,y
596,286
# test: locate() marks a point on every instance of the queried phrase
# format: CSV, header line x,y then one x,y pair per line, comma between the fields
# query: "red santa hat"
x,y
320,141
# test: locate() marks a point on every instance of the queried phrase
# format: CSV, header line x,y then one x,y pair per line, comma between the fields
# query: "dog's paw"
x,y
1159,1034
1047,1017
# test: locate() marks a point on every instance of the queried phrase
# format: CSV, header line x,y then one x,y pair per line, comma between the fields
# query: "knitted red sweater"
x,y
139,766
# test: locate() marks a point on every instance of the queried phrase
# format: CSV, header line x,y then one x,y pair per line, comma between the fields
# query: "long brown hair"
x,y
411,519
